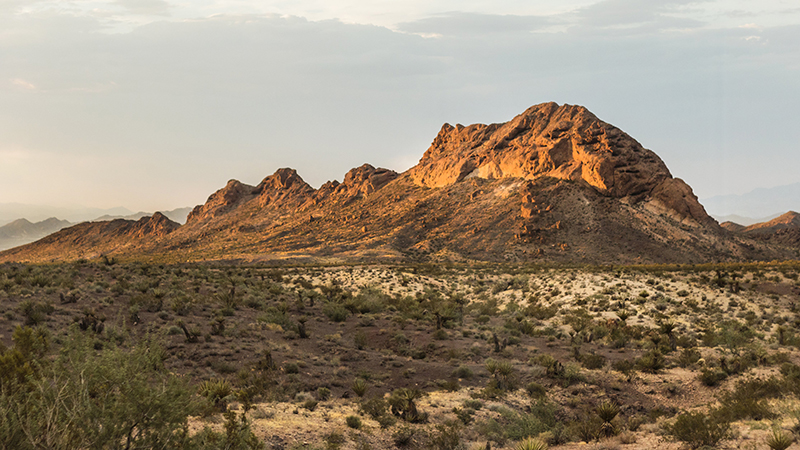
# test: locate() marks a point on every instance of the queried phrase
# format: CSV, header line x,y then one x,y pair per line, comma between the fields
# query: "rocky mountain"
x,y
94,239
176,215
22,231
553,184
783,230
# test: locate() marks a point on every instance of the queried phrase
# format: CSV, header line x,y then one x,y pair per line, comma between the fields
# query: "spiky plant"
x,y
360,386
531,444
779,439
215,391
607,411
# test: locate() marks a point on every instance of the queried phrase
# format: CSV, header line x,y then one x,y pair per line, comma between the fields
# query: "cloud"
x,y
149,7
23,84
473,24
647,14
192,103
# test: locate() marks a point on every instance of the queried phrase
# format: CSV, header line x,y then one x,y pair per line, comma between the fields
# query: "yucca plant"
x,y
360,386
779,439
531,444
216,391
607,411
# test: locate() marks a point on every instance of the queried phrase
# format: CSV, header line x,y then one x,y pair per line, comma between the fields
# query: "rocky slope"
x,y
553,184
782,231
94,239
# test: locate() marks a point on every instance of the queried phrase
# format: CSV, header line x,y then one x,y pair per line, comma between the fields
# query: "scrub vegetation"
x,y
101,354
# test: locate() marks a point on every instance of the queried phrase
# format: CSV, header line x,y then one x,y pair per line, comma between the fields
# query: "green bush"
x,y
698,429
463,372
353,422
95,398
651,362
445,437
712,377
335,312
35,312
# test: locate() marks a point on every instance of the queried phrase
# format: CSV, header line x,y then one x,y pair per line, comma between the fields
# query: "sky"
x,y
155,104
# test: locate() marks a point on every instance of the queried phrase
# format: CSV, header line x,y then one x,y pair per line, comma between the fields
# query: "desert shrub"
x,y
587,429
22,363
712,377
593,361
688,357
403,404
536,390
35,312
323,393
310,404
403,437
375,407
551,365
651,362
503,374
473,404
515,426
465,415
291,367
445,437
749,400
335,312
698,429
353,422
369,300
277,316
237,435
463,372
334,440
730,333
146,408
149,303
360,340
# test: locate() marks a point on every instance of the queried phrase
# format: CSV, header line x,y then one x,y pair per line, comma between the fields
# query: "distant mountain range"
x,y
176,215
554,184
22,231
759,205
10,212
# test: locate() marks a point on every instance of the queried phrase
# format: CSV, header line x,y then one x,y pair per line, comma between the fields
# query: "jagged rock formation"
x,y
553,184
564,142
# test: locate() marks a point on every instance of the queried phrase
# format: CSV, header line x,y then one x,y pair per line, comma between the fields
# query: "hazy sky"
x,y
155,104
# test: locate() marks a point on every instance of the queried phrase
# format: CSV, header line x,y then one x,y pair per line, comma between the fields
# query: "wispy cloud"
x,y
23,84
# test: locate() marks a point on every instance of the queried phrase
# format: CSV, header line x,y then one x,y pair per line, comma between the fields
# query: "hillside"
x,y
553,184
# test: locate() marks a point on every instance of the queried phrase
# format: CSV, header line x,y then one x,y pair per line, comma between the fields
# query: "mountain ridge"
x,y
553,184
